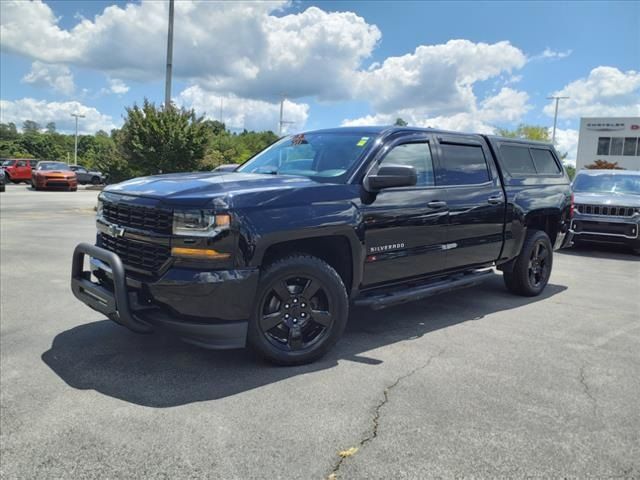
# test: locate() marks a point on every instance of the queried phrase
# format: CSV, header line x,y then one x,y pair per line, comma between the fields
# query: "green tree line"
x,y
152,140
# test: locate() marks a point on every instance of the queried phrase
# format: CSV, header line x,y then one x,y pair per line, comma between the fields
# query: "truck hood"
x,y
212,188
617,199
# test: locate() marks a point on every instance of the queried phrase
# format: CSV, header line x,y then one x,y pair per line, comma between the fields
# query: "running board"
x,y
386,299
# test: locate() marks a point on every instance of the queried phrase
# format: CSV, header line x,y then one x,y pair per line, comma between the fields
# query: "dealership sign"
x,y
607,127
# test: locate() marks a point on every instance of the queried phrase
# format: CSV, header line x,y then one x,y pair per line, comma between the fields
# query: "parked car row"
x,y
48,174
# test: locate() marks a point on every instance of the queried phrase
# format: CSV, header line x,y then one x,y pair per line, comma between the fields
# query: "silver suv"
x,y
607,207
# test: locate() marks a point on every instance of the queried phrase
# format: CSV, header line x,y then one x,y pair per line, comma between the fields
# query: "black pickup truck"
x,y
275,251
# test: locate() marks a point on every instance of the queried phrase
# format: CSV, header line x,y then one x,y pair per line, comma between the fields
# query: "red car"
x,y
18,169
54,175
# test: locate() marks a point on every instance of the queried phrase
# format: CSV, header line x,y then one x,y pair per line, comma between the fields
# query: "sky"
x,y
468,66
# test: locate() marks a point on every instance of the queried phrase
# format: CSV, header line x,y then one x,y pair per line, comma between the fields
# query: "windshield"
x,y
618,183
53,166
322,156
8,163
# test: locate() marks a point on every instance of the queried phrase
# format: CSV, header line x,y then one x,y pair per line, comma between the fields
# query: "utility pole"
x,y
555,117
75,150
221,110
282,121
167,86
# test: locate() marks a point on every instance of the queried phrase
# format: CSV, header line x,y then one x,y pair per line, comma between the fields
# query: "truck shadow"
x,y
160,371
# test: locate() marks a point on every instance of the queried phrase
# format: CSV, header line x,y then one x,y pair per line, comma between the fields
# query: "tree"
x,y
400,122
530,132
571,171
8,131
603,165
155,140
29,126
51,127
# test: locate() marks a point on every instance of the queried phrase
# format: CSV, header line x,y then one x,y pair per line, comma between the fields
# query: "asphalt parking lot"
x,y
474,383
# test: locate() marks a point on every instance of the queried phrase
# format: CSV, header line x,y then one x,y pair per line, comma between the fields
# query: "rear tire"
x,y
301,310
532,268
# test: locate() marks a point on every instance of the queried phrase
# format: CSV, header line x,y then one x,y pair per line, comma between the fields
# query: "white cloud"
x,y
513,79
607,91
548,54
438,78
17,111
57,77
237,47
567,142
240,113
115,86
508,105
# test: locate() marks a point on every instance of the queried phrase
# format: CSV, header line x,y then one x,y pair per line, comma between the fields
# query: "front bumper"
x,y
210,309
56,182
606,229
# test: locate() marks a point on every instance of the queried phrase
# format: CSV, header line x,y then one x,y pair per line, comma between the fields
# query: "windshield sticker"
x,y
363,141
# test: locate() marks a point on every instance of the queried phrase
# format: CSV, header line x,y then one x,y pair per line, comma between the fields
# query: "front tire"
x,y
95,181
301,311
532,268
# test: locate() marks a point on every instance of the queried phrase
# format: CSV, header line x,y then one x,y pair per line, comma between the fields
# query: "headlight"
x,y
198,223
100,206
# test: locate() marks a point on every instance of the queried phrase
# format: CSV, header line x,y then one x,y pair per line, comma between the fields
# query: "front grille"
x,y
142,218
608,210
141,255
57,183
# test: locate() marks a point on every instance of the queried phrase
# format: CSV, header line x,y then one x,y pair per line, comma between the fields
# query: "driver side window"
x,y
416,155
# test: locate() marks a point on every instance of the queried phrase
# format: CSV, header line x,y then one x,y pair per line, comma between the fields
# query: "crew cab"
x,y
18,169
274,252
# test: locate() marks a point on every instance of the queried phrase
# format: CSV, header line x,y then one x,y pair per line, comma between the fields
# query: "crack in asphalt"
x,y
587,389
373,433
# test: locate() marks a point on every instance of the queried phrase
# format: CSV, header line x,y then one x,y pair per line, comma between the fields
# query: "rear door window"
x,y
462,165
517,160
544,161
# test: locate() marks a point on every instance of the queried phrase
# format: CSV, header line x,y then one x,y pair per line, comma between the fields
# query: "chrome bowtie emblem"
x,y
116,231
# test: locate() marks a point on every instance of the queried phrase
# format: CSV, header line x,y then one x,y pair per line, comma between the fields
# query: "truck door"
x,y
23,171
475,200
404,227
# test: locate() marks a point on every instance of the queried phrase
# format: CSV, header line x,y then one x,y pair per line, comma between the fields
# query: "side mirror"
x,y
389,176
229,167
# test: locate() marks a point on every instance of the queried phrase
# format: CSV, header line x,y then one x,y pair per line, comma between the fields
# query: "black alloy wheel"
x,y
301,310
532,268
538,264
296,313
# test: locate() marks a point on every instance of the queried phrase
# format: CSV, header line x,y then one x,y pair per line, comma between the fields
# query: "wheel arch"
x,y
335,249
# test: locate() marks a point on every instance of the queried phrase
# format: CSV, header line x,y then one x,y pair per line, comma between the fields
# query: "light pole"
x,y
555,117
75,150
167,86
282,121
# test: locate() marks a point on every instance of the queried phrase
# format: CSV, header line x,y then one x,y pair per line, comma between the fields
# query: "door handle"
x,y
436,204
495,200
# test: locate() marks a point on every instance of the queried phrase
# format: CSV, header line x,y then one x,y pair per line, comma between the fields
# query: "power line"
x,y
555,117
